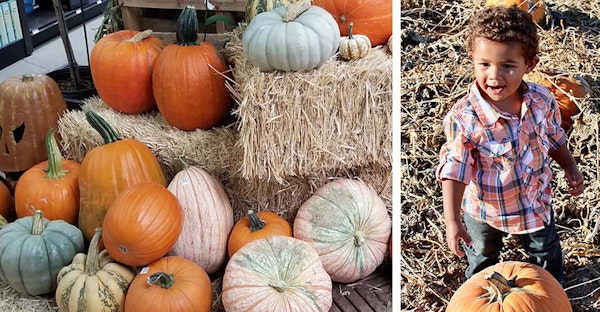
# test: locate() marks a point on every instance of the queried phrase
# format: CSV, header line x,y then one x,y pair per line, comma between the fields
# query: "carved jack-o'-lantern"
x,y
29,106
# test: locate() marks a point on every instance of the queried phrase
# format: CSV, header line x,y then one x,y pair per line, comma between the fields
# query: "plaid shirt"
x,y
502,158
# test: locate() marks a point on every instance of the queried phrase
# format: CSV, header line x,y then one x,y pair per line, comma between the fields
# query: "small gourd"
x,y
353,46
93,282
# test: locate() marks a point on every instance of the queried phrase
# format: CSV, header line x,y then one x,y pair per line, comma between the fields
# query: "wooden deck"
x,y
370,294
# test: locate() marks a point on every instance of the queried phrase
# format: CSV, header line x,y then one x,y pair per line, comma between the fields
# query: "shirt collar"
x,y
487,114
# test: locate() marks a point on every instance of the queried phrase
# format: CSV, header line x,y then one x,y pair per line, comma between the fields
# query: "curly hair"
x,y
504,24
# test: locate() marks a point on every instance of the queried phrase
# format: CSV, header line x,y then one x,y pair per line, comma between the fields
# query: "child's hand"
x,y
455,231
575,180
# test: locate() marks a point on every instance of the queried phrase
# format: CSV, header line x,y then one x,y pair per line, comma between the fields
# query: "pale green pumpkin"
x,y
93,282
277,273
292,38
254,7
34,249
348,225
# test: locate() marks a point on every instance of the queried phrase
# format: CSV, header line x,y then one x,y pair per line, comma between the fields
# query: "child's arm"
x,y
565,160
452,193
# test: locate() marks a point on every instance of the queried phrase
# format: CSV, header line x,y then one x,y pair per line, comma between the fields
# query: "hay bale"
x,y
285,198
213,150
316,121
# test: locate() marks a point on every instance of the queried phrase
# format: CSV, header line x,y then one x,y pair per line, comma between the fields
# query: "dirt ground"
x,y
435,73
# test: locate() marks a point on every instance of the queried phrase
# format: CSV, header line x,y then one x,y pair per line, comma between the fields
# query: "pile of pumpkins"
x,y
153,244
135,72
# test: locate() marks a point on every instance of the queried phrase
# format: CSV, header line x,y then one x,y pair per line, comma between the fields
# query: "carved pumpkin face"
x,y
29,106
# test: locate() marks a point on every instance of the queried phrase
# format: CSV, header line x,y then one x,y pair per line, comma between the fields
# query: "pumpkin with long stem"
x,y
256,226
536,8
93,282
189,79
51,186
109,169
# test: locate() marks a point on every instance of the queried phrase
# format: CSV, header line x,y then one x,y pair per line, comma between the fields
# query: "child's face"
x,y
499,69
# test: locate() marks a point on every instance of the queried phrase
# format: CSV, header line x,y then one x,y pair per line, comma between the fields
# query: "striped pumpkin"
x,y
254,7
93,282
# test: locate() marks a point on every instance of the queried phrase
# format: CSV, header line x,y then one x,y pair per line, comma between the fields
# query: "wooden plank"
x,y
223,5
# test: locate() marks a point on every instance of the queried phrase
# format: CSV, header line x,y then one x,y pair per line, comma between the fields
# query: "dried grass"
x,y
304,123
435,74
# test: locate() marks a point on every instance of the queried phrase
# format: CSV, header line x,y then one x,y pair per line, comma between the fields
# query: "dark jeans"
x,y
543,247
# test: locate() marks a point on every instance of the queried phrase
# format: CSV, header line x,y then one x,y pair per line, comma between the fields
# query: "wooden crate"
x,y
161,17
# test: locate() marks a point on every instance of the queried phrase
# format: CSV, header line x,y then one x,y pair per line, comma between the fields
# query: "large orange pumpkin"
x,y
51,186
189,79
171,284
142,224
372,18
510,286
121,64
255,226
536,8
110,168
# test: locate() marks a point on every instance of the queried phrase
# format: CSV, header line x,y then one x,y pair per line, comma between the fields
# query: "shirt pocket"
x,y
496,156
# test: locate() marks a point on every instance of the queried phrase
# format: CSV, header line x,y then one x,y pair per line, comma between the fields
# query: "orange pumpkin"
x,y
537,8
255,226
110,168
121,64
6,201
51,186
372,18
142,224
189,79
510,286
566,91
171,284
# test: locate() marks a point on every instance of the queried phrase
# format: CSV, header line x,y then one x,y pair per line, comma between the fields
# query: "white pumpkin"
x,y
291,38
207,218
278,273
349,226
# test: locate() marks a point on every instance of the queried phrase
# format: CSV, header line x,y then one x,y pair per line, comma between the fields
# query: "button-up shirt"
x,y
503,159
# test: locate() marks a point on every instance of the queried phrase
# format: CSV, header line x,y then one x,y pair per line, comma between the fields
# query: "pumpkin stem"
x,y
255,222
91,262
161,279
359,238
106,131
350,26
295,9
184,163
187,27
55,170
140,36
39,223
280,286
500,287
27,78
